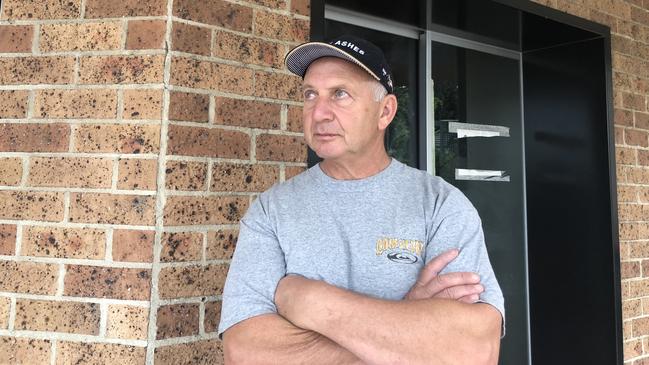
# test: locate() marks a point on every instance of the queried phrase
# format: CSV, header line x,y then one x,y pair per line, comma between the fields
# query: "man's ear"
x,y
388,111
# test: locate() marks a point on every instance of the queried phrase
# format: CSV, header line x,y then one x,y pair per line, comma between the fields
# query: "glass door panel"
x,y
478,147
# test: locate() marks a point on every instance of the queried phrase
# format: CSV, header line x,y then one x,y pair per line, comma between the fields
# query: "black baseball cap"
x,y
353,49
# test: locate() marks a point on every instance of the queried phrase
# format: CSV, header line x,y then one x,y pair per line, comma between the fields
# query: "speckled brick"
x,y
221,244
16,38
133,245
210,75
189,210
189,107
640,327
51,316
143,104
197,141
294,119
4,312
53,137
136,174
41,206
80,37
11,171
191,39
13,103
41,9
215,12
637,14
107,282
630,270
93,103
146,34
212,316
36,70
632,212
127,322
278,86
184,175
121,69
118,9
73,243
98,354
634,101
278,26
632,349
636,175
623,117
28,277
302,7
619,136
627,156
292,171
194,353
641,120
15,350
271,147
181,246
112,209
247,113
78,172
7,239
248,49
243,177
118,138
639,288
273,4
636,138
177,320
192,281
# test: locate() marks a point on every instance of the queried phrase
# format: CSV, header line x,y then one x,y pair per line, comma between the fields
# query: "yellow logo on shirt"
x,y
414,247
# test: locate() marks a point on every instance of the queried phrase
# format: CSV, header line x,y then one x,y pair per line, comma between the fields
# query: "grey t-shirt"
x,y
372,236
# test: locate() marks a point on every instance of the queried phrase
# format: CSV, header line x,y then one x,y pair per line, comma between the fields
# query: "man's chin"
x,y
328,155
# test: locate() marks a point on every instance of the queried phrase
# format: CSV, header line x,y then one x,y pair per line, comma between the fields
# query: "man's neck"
x,y
355,170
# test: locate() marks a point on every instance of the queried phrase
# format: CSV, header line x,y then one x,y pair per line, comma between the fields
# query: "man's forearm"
x,y
410,331
271,339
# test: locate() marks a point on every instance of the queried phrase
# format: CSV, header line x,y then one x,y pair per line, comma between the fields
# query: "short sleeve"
x,y
461,228
257,267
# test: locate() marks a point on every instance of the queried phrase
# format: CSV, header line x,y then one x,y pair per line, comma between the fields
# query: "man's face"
x,y
341,116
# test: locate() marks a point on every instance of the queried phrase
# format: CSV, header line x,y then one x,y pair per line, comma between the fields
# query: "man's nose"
x,y
322,110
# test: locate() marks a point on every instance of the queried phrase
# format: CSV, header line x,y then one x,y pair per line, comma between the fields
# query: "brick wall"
x,y
133,136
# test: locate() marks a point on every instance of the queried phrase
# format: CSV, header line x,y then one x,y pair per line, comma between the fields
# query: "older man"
x,y
360,259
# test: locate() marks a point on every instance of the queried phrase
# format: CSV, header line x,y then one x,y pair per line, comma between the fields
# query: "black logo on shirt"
x,y
402,257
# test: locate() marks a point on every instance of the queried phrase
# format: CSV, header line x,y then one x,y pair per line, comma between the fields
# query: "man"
x,y
341,264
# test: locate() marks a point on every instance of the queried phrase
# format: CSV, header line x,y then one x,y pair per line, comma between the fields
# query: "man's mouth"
x,y
325,135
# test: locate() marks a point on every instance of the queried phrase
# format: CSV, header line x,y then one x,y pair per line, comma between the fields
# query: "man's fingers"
x,y
436,265
453,292
442,282
457,292
470,299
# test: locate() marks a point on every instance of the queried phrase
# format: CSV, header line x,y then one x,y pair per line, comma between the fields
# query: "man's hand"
x,y
462,286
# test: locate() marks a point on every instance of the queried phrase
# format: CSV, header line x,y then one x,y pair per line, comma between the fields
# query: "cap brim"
x,y
300,58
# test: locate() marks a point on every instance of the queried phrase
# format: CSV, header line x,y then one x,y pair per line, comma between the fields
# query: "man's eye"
x,y
341,94
309,94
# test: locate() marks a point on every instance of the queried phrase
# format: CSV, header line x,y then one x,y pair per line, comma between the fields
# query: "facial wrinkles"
x,y
326,120
352,117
